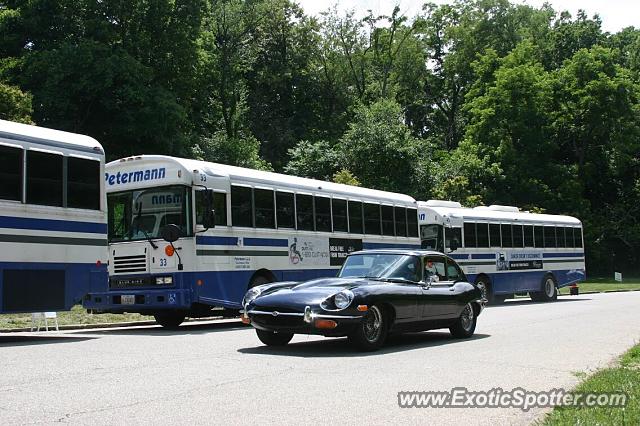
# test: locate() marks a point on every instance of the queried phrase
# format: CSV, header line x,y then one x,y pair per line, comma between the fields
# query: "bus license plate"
x,y
128,299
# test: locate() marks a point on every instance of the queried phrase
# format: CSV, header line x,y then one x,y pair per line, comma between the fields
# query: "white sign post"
x,y
618,276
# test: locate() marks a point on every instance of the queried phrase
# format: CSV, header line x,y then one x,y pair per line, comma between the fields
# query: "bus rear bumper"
x,y
142,301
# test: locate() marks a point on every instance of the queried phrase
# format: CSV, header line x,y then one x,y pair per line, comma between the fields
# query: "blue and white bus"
x,y
504,250
53,219
238,228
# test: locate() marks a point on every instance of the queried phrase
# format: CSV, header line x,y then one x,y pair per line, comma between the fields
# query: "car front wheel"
x,y
371,333
465,325
274,339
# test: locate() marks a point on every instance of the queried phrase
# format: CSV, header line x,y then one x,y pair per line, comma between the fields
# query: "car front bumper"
x,y
308,322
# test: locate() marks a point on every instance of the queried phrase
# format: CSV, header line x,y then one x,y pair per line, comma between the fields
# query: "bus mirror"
x,y
171,233
209,220
453,245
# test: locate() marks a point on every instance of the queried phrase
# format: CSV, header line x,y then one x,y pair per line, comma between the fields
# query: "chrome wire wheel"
x,y
373,324
466,318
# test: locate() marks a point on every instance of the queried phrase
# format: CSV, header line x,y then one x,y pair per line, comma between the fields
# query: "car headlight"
x,y
343,299
251,295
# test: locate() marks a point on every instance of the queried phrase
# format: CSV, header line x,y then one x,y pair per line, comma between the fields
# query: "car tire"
x,y
371,333
549,292
270,338
170,320
465,325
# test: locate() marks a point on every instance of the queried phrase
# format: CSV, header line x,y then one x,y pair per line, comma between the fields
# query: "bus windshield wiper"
x,y
141,228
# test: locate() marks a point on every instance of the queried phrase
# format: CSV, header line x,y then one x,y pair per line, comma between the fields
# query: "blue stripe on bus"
x,y
389,246
483,256
546,255
459,256
266,242
217,241
52,225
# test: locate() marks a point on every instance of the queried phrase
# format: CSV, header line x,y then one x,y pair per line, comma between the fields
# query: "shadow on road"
x,y
525,302
23,340
157,330
340,347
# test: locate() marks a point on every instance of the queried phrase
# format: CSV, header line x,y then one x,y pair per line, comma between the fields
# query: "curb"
x,y
104,325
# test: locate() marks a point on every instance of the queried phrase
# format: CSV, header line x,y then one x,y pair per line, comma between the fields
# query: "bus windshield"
x,y
141,214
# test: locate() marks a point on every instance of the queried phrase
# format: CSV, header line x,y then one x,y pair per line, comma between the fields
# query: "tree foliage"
x,y
479,101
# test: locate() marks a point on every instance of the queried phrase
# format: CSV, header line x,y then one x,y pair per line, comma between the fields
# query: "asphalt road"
x,y
220,373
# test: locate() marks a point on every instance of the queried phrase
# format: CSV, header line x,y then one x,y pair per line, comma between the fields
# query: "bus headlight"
x,y
343,299
164,280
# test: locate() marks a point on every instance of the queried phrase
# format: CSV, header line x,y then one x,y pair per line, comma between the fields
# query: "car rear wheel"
x,y
372,331
170,320
549,291
270,338
465,325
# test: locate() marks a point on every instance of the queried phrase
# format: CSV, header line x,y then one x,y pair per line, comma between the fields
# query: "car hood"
x,y
298,295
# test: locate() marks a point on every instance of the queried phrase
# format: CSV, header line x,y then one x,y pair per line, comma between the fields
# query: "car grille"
x,y
128,264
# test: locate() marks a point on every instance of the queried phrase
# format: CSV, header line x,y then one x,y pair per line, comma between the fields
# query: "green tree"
x,y
15,105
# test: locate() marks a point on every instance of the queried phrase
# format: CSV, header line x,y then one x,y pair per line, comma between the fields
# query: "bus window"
x,y
470,235
507,240
482,234
241,211
549,236
388,228
285,209
323,214
339,213
219,207
44,178
412,222
355,217
264,208
560,236
538,236
401,221
452,235
304,209
517,236
494,235
83,183
577,237
431,237
528,235
372,218
10,173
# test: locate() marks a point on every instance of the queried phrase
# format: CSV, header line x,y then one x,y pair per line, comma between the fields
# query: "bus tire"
x,y
170,320
549,291
259,279
484,284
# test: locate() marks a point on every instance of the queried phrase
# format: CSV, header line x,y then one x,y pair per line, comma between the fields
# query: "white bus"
x,y
504,250
53,220
238,228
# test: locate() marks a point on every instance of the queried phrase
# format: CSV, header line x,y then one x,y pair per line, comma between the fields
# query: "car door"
x,y
436,299
454,275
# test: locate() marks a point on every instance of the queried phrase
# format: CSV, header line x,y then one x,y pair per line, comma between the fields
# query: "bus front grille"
x,y
128,264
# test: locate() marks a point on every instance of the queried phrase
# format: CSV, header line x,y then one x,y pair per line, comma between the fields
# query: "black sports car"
x,y
375,292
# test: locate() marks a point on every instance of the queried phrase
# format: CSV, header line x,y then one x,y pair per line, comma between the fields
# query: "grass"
x,y
77,315
624,377
605,284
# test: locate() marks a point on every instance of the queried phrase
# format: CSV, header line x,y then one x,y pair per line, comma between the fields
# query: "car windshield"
x,y
382,266
141,214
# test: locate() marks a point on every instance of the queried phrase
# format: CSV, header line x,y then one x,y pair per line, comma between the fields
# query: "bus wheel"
x,y
259,280
549,291
170,320
487,292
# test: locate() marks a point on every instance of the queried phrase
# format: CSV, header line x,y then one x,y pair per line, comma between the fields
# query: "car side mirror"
x,y
429,281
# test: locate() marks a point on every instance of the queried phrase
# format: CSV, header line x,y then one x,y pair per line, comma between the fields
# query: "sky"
x,y
615,14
